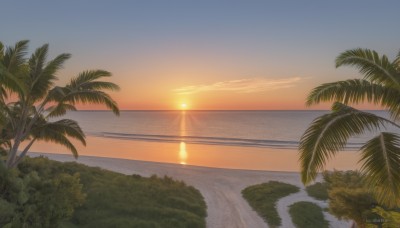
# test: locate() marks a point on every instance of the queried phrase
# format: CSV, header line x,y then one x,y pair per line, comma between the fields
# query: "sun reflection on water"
x,y
182,146
182,153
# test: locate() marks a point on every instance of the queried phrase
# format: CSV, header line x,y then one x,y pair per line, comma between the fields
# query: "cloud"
x,y
248,85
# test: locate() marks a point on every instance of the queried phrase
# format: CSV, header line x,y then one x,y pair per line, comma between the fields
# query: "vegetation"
x,y
329,133
263,197
37,197
386,218
307,215
75,195
318,190
35,100
348,196
43,193
350,199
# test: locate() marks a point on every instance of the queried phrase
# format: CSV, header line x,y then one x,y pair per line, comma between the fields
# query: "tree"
x,y
30,83
328,134
348,197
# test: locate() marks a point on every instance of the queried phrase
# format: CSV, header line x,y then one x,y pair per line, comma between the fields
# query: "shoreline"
x,y
46,154
218,156
220,187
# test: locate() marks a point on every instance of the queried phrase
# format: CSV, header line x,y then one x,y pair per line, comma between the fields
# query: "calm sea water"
x,y
273,129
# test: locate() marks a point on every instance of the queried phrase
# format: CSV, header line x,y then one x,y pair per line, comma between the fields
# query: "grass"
x,y
118,200
263,197
307,215
318,191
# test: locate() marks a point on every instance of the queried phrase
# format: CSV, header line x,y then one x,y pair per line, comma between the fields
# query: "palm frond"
x,y
56,64
12,60
14,56
85,89
381,165
59,138
349,91
92,97
1,51
3,94
58,132
10,82
396,63
357,91
37,61
56,94
66,127
99,85
88,76
42,75
329,133
375,68
59,109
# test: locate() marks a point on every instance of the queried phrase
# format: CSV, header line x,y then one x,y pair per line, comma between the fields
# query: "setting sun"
x,y
183,106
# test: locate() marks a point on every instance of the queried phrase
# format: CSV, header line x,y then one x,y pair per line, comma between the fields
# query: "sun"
x,y
184,106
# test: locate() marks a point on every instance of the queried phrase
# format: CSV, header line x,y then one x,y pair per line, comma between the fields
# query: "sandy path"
x,y
221,188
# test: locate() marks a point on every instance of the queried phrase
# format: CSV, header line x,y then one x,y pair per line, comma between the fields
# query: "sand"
x,y
221,188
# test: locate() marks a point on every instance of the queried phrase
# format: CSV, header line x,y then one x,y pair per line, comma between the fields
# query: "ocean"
x,y
266,140
273,129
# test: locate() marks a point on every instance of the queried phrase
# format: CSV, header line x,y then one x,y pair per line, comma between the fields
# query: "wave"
x,y
211,140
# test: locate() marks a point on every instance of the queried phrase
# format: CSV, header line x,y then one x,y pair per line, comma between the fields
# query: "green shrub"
x,y
112,199
349,198
307,215
31,198
263,197
318,191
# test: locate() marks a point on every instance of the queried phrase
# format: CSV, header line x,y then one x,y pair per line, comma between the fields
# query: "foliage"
x,y
263,197
37,197
118,200
389,218
45,193
354,204
329,133
343,179
318,190
307,215
350,199
36,100
348,196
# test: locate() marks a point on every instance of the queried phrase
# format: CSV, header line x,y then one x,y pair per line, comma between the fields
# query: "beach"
x,y
220,153
220,187
219,156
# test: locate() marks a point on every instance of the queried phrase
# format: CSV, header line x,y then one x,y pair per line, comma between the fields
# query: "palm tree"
x,y
38,100
328,134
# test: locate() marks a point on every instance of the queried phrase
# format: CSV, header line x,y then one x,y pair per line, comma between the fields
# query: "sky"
x,y
210,55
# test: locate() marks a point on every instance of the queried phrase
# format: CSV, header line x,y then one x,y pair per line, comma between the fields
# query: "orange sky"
x,y
209,54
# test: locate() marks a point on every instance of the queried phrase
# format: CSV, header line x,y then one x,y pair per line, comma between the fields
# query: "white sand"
x,y
221,188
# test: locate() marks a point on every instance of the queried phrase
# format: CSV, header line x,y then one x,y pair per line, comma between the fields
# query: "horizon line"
x,y
159,110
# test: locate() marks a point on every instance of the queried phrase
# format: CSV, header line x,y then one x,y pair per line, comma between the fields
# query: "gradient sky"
x,y
208,54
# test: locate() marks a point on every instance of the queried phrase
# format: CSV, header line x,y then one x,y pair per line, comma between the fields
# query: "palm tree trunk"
x,y
13,152
23,153
18,138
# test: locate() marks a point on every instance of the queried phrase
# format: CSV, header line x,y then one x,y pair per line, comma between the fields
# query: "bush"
x,y
350,199
318,191
48,192
307,215
348,196
351,203
134,201
31,198
263,197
